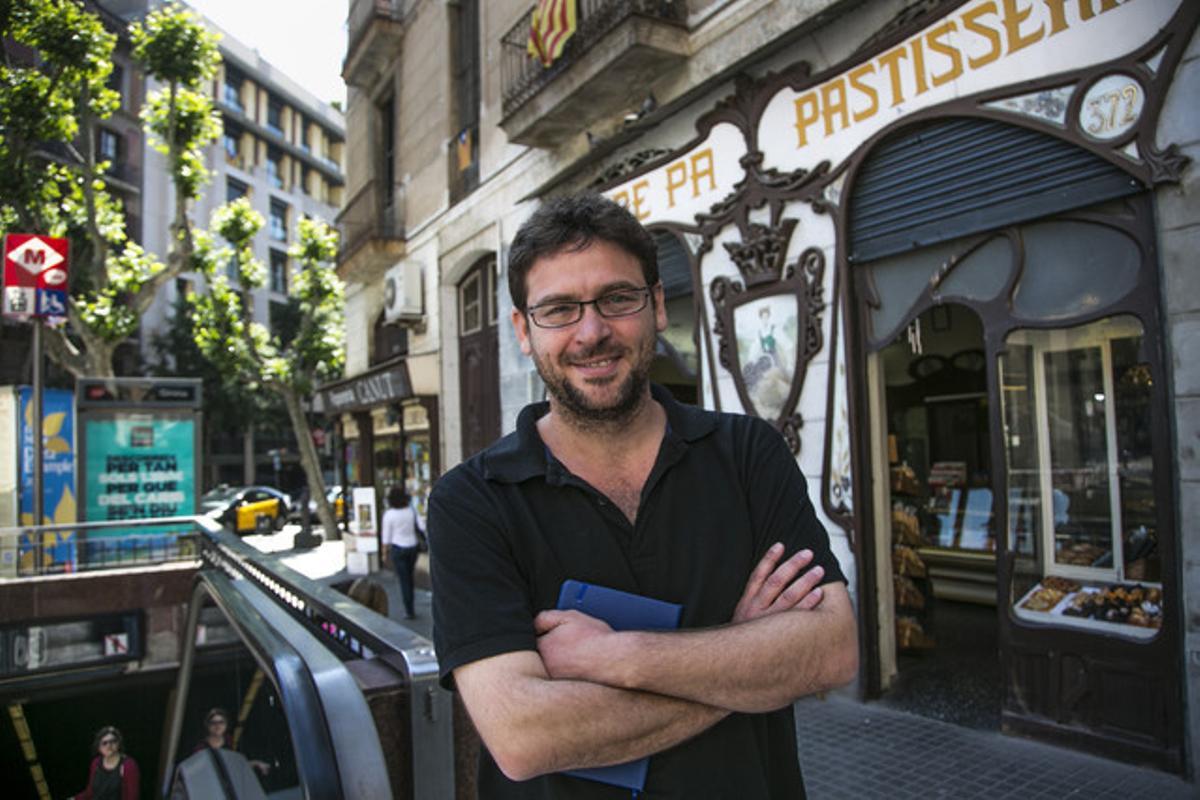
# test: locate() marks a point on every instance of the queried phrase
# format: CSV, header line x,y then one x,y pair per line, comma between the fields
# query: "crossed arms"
x,y
591,696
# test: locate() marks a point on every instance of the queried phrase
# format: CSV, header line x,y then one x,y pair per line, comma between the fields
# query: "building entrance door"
x,y
478,351
938,525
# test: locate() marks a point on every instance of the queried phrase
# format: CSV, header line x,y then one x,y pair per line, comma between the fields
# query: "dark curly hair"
x,y
571,223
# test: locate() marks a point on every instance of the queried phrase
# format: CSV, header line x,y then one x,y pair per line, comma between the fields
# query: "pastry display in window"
x,y
905,527
907,593
905,561
1132,604
910,635
1043,599
904,480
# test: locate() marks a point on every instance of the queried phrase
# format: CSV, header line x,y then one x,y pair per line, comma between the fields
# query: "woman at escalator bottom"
x,y
113,775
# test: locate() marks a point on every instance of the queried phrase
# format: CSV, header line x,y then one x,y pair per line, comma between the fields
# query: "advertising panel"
x,y
137,466
140,466
362,546
56,551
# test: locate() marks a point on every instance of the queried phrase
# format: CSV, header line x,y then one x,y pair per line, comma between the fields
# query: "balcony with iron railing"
x,y
371,228
618,49
375,30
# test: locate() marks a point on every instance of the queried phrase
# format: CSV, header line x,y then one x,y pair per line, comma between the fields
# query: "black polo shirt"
x,y
508,526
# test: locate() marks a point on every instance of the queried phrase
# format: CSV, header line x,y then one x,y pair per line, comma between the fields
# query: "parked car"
x,y
247,509
334,495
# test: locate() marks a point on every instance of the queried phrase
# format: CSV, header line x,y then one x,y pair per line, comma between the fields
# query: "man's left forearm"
x,y
754,666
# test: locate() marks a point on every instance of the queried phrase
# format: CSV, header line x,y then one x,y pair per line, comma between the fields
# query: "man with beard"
x,y
613,483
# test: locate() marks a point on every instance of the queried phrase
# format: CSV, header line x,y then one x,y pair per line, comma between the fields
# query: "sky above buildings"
x,y
305,39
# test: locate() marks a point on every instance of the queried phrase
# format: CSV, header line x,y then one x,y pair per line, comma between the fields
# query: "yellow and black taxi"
x,y
247,509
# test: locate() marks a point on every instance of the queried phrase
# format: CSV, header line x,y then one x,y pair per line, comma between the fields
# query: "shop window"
x,y
418,473
389,458
1082,514
1094,266
982,267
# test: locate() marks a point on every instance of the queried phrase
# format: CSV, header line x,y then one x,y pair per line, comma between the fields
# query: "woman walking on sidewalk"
x,y
400,531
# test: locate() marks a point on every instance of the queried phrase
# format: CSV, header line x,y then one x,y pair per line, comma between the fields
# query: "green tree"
x,y
241,347
51,182
229,404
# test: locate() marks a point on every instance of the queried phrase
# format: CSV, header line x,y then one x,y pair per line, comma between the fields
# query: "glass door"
x,y
1080,474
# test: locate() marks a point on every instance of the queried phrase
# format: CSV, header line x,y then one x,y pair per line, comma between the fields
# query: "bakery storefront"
x,y
935,266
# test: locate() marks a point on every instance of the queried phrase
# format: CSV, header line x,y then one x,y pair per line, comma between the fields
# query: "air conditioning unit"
x,y
404,293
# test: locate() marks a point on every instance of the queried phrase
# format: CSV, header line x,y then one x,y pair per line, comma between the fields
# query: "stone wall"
x,y
1178,209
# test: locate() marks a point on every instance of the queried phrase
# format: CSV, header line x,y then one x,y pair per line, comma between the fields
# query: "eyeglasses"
x,y
217,721
107,741
561,313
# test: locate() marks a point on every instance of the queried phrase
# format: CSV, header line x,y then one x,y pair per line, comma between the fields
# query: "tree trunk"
x,y
249,459
310,462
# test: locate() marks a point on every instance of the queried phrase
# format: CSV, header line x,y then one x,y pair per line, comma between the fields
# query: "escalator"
x,y
317,696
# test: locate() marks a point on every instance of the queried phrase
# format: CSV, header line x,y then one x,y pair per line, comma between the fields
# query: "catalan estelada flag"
x,y
552,25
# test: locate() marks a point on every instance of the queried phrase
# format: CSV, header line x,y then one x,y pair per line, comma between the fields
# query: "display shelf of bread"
x,y
906,561
909,579
1130,609
906,528
911,634
907,595
904,481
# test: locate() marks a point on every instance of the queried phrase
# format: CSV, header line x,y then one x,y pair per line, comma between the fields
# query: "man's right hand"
x,y
774,587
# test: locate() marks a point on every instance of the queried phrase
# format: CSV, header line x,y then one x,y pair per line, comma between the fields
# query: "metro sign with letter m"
x,y
35,276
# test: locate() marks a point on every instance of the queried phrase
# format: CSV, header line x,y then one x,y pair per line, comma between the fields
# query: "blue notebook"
x,y
623,611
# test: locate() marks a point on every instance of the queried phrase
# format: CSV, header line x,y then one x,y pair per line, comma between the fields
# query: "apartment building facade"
x,y
118,140
942,246
282,148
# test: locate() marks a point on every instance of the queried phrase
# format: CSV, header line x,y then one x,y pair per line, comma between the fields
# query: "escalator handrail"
x,y
344,710
313,600
329,614
286,668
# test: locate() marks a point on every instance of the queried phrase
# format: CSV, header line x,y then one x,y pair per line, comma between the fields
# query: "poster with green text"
x,y
139,466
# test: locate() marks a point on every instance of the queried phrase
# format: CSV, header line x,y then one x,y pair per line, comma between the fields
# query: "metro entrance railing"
x,y
62,549
301,633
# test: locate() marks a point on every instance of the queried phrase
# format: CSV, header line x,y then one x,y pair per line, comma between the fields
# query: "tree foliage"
x,y
53,91
227,335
